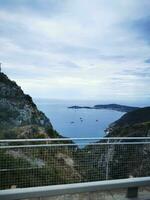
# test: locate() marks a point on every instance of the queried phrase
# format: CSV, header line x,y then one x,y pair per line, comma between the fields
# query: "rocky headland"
x,y
116,107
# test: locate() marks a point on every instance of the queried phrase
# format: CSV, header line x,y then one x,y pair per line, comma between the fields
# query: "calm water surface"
x,y
68,121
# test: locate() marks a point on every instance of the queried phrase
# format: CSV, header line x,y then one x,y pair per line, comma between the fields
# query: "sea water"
x,y
77,123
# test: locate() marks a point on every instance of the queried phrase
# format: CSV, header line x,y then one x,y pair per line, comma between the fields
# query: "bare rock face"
x,y
18,113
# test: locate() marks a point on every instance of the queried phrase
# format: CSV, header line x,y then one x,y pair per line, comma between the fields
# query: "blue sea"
x,y
68,121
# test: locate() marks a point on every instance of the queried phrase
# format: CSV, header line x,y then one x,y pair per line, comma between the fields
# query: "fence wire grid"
x,y
41,162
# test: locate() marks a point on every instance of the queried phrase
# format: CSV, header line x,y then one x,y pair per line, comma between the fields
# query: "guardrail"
x,y
44,162
131,184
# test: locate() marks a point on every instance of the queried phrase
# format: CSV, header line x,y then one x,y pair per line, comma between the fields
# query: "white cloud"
x,y
80,48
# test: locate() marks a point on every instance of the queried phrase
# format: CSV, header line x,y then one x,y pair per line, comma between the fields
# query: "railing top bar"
x,y
56,190
74,139
71,145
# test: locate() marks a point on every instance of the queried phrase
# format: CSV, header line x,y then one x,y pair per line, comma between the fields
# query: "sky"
x,y
77,49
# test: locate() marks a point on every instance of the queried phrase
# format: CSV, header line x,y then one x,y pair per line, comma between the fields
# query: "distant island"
x,y
116,107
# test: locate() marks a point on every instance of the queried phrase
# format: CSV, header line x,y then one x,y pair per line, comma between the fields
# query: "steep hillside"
x,y
135,123
19,116
124,160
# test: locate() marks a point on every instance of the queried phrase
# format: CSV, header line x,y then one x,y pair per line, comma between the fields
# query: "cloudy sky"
x,y
77,49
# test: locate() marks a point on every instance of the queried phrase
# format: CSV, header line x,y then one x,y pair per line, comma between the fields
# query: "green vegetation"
x,y
29,167
7,114
19,116
39,166
135,124
137,116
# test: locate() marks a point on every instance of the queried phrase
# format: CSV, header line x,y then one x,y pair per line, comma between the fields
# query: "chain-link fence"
x,y
40,162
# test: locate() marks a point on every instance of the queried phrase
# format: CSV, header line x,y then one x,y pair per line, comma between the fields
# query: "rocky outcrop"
x,y
19,116
135,124
132,124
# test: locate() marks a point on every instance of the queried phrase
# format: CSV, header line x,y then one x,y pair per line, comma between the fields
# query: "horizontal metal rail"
x,y
27,168
57,142
59,145
35,192
72,139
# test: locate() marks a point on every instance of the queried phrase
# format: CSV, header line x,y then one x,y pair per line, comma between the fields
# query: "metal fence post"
x,y
132,192
107,161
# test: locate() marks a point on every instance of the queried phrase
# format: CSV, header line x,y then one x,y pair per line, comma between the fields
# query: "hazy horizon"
x,y
86,102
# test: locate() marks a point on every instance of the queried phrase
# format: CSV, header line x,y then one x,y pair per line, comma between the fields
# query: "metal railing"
x,y
129,185
43,162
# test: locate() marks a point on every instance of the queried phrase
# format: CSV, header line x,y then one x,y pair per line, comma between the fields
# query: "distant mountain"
x,y
135,123
19,116
117,107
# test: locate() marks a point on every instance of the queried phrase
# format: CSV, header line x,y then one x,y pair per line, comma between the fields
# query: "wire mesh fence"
x,y
41,162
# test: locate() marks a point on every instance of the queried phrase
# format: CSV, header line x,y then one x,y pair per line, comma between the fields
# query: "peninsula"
x,y
116,107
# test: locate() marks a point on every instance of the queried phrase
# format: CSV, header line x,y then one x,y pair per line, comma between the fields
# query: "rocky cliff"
x,y
122,160
19,116
135,124
132,124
